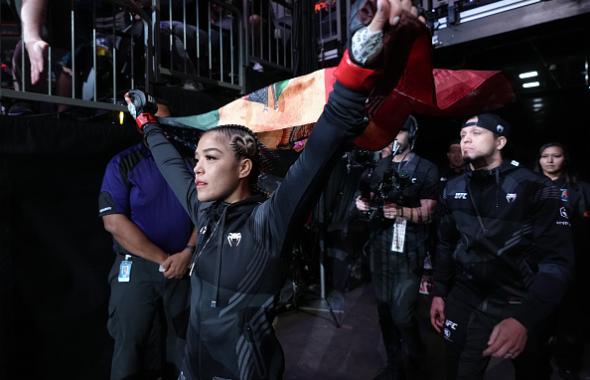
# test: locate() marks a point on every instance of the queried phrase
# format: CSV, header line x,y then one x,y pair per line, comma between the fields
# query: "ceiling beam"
x,y
524,17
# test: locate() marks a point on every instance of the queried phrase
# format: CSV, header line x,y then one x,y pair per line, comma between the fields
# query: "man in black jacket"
x,y
503,259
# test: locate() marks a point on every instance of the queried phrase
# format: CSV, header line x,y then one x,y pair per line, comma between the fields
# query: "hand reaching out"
x,y
37,50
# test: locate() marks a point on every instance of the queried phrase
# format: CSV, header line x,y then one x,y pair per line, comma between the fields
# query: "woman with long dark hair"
x,y
554,162
239,264
571,332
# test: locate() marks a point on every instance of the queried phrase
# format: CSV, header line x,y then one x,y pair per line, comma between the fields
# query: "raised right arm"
x,y
171,164
173,168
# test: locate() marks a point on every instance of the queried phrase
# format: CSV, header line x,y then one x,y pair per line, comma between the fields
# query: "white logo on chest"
x,y
234,238
510,197
563,213
460,195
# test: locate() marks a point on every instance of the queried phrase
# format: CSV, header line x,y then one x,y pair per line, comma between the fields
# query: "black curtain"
x,y
54,253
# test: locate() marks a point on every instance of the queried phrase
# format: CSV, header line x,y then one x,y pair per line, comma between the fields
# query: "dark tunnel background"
x,y
55,254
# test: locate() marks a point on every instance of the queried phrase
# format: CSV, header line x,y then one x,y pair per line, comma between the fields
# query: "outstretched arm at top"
x,y
342,120
32,15
170,163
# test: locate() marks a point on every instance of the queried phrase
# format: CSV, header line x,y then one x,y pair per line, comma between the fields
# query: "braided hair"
x,y
245,144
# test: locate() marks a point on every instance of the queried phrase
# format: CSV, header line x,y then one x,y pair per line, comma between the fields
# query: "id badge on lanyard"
x,y
398,237
125,269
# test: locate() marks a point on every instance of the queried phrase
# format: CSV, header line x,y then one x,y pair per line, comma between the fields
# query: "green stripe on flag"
x,y
202,122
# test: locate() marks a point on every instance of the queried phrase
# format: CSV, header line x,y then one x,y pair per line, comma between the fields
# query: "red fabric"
x,y
145,118
355,77
434,92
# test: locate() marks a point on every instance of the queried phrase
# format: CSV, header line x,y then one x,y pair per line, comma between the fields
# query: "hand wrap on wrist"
x,y
144,119
142,107
355,77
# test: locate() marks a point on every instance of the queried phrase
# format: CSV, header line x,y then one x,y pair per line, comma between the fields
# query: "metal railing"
x,y
333,32
270,32
89,70
182,43
208,50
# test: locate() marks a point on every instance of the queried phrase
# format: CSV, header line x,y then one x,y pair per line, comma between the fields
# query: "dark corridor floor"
x,y
316,349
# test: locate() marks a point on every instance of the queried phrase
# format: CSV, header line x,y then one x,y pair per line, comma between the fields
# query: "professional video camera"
x,y
390,188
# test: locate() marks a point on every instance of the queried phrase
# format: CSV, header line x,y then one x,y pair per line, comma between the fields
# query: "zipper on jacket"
x,y
198,254
476,209
213,302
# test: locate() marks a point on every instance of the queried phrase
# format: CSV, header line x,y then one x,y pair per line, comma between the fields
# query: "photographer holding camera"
x,y
399,197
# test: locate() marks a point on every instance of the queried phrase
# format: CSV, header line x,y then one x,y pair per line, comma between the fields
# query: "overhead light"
x,y
528,74
530,84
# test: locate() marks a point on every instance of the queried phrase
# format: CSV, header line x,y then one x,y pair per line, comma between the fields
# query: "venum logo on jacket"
x,y
234,238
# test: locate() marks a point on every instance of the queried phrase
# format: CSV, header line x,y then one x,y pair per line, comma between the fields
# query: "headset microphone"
x,y
395,147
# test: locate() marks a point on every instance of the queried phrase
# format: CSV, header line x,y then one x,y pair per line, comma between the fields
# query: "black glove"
x,y
142,107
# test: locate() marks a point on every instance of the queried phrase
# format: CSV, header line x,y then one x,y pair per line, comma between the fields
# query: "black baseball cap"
x,y
491,122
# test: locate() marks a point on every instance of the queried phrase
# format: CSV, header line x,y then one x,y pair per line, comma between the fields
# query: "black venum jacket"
x,y
241,257
518,250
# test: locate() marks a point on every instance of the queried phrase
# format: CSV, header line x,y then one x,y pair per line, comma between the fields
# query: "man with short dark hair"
x,y
456,164
503,259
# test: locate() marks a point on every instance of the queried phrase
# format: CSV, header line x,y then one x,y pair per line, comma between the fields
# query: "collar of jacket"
x,y
215,209
499,171
486,177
